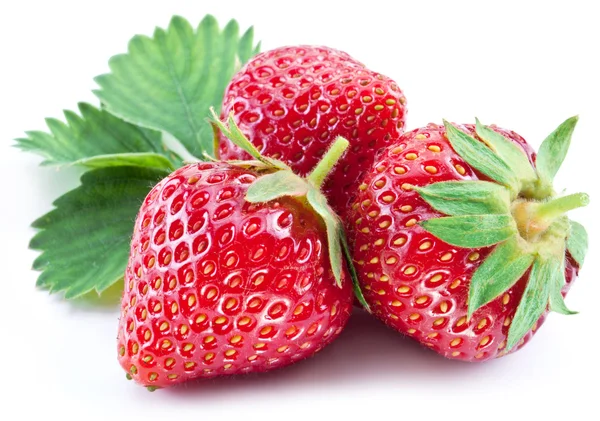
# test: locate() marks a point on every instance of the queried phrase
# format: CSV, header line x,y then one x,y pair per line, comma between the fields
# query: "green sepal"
x,y
557,301
169,81
511,154
466,197
482,158
284,182
333,226
472,230
233,133
498,272
95,139
272,186
85,240
577,242
251,163
350,264
535,299
553,150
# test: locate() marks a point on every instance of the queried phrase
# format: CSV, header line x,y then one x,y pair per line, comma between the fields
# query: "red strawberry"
x,y
218,285
448,262
292,102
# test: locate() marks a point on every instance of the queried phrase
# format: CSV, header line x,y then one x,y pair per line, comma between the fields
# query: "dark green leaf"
x,y
97,138
275,185
466,197
513,155
499,271
482,158
334,228
577,242
246,47
472,230
168,82
534,301
85,240
553,150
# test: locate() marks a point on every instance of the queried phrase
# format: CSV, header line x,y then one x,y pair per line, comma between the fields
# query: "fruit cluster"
x,y
451,234
305,199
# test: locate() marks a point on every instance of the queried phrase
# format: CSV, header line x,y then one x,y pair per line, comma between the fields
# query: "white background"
x,y
523,65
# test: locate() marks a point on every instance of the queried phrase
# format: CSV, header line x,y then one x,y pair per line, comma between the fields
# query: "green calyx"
x,y
277,180
518,213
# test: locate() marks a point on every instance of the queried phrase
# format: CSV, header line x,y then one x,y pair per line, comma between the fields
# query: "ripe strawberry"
x,y
448,231
292,102
218,285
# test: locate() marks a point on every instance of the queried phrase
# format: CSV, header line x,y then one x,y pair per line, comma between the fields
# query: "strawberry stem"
x,y
556,207
534,218
326,164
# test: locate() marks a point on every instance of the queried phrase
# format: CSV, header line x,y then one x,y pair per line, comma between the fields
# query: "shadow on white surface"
x,y
366,351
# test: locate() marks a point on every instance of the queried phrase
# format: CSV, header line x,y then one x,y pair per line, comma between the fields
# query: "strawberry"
x,y
228,276
461,242
292,102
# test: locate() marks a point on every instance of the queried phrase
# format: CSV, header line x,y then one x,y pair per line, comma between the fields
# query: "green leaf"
x,y
233,133
169,81
355,282
535,299
85,240
246,49
553,150
577,242
472,230
272,186
513,155
97,138
334,227
482,158
466,197
498,272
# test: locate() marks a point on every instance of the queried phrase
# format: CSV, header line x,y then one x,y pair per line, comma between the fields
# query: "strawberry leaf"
x,y
508,151
482,158
98,139
553,150
577,242
334,227
169,81
472,230
500,271
466,197
272,186
535,299
85,240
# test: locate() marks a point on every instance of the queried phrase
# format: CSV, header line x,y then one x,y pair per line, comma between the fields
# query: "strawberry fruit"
x,y
460,240
292,102
229,273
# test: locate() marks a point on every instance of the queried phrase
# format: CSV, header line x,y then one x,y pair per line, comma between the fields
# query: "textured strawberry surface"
x,y
414,282
292,103
216,285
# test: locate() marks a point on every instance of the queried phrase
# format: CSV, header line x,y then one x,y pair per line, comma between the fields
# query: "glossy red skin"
x,y
322,93
428,308
245,280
